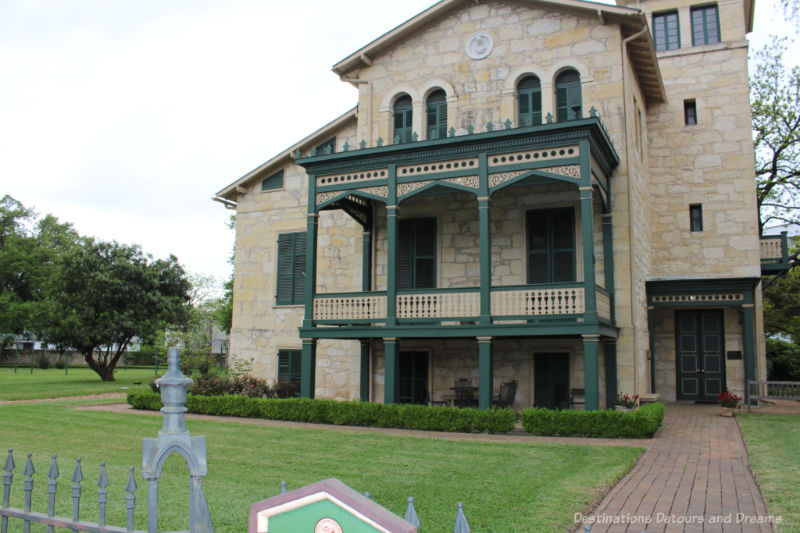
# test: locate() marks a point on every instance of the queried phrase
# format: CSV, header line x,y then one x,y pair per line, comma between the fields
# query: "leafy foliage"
x,y
641,423
783,360
106,293
782,306
421,417
775,100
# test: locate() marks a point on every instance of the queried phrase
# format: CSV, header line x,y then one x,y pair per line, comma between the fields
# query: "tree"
x,y
775,99
105,294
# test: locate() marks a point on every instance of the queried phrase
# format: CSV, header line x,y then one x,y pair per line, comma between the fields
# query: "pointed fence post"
x,y
28,488
130,498
102,494
52,486
461,525
411,513
8,477
77,478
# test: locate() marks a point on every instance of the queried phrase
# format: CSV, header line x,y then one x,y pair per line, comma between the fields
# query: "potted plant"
x,y
626,402
729,402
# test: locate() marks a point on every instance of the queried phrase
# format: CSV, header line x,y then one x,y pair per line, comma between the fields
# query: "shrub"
x,y
44,364
61,364
641,423
356,413
208,385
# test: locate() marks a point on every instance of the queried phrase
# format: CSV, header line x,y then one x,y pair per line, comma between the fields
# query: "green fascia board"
x,y
461,331
702,286
774,268
540,136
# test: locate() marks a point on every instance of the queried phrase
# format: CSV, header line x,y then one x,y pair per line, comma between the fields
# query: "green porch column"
x,y
364,375
590,346
366,261
308,365
485,261
611,372
392,224
748,343
485,372
608,259
587,233
651,329
311,269
391,364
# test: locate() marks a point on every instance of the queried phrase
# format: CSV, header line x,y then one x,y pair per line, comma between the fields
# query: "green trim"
x,y
366,261
703,34
749,345
777,264
587,231
273,183
608,259
422,331
290,367
291,278
651,329
661,30
744,286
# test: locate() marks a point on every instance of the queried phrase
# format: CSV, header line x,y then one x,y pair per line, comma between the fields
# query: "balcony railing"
x,y
774,253
567,300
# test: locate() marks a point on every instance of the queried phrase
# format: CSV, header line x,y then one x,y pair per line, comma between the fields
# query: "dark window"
x,y
412,378
689,112
529,101
402,119
289,369
568,96
705,25
273,182
666,33
291,268
328,147
696,217
437,115
416,254
551,245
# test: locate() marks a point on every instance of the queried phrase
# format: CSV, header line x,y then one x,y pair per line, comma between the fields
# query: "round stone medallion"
x,y
479,45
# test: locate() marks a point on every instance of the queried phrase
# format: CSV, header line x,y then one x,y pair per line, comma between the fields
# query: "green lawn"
x,y
772,446
52,383
505,487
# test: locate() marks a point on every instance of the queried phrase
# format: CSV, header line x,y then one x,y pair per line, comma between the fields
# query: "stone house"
x,y
555,193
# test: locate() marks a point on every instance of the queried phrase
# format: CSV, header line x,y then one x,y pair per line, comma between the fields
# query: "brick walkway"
x,y
694,477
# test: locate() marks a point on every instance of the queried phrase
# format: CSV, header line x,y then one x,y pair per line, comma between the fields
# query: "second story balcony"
x,y
774,253
508,231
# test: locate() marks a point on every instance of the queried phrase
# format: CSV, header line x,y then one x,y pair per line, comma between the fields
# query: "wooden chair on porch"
x,y
506,396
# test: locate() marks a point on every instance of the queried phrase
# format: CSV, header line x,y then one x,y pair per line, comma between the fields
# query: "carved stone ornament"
x,y
479,45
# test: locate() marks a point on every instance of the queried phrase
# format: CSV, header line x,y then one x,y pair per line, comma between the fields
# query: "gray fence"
x,y
771,390
173,438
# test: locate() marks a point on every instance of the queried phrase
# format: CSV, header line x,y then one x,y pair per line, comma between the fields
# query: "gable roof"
x,y
632,21
274,164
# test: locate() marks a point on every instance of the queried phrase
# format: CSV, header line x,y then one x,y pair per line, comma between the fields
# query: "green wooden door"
x,y
700,355
413,378
551,380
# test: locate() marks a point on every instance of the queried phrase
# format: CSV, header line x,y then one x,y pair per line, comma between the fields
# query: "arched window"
x,y
568,96
402,119
529,100
437,115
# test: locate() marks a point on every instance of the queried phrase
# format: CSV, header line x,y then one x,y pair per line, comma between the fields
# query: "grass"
x,y
505,487
772,446
52,383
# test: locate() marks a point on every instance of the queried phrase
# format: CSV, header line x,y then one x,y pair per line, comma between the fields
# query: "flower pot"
x,y
727,411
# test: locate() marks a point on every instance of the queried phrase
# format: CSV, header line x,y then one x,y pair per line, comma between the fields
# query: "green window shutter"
x,y
402,119
273,182
416,254
437,115
529,102
289,367
551,245
291,268
568,96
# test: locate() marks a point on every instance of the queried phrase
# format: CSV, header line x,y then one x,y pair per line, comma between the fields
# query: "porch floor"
x,y
695,468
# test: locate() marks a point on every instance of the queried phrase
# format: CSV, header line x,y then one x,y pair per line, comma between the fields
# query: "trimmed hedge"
x,y
641,423
405,416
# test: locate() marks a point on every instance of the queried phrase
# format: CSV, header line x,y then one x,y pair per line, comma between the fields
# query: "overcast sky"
x,y
124,117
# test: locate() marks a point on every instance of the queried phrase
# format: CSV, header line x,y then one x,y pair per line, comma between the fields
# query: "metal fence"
x,y
771,390
173,438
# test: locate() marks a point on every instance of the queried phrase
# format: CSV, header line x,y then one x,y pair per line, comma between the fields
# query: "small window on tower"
x,y
696,217
689,112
